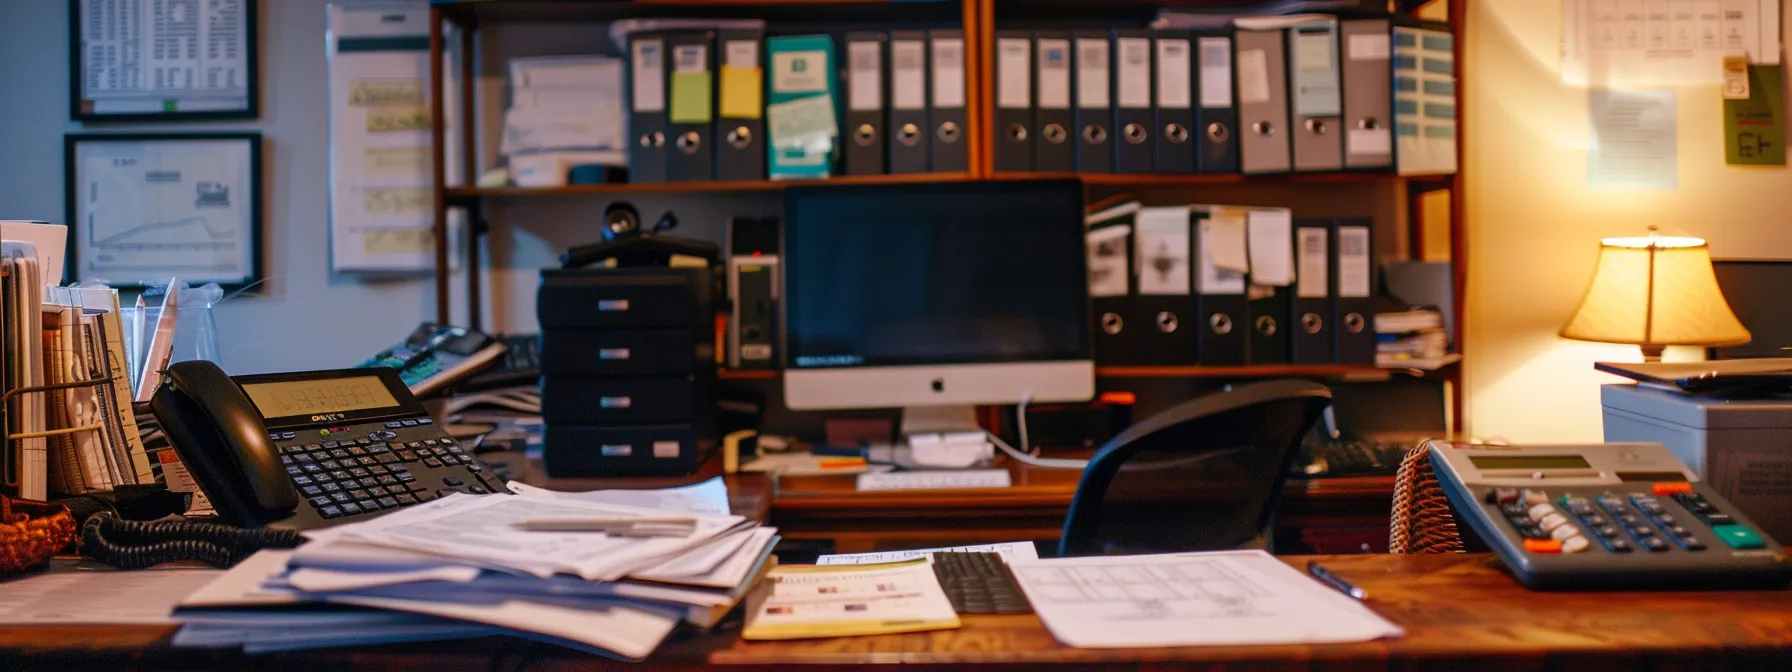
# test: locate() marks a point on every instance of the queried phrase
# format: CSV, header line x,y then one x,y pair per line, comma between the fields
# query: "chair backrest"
x,y
1203,475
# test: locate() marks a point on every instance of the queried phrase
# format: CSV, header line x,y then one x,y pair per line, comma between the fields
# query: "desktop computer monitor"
x,y
935,298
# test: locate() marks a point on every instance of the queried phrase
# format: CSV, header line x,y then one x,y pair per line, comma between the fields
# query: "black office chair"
x,y
1204,475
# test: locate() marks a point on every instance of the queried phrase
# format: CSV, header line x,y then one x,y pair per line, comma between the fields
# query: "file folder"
x,y
1094,106
1216,117
690,86
1054,151
801,121
1109,244
1133,149
1173,101
1424,101
1310,341
1262,83
647,107
1315,95
1161,272
908,103
1222,334
864,144
1270,242
1014,101
946,109
1367,47
1353,272
740,106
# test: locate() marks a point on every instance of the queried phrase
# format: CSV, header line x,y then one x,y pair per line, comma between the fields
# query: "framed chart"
x,y
162,60
144,208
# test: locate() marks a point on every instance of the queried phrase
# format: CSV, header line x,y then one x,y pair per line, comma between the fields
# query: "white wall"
x,y
1534,225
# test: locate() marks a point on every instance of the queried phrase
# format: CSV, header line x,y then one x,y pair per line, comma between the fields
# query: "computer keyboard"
x,y
979,583
943,479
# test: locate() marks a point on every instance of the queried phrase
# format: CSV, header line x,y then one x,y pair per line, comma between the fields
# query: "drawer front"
x,y
639,352
603,301
577,451
617,401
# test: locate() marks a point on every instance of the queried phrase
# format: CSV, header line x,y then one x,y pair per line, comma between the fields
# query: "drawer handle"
x,y
617,450
615,402
613,305
613,353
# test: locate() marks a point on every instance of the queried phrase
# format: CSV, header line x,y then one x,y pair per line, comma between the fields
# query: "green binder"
x,y
800,105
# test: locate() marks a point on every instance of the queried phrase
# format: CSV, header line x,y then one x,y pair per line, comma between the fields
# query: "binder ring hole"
x,y
865,135
1134,133
1221,323
1111,323
1218,132
1176,133
1017,132
1316,126
948,132
1266,325
1055,134
1094,135
654,139
1167,323
1264,128
1311,322
1367,123
740,137
909,134
1354,323
689,142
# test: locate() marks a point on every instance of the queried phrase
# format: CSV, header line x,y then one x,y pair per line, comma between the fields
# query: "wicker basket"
x,y
31,532
1422,521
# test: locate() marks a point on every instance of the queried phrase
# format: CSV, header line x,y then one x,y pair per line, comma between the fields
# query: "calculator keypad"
x,y
1619,523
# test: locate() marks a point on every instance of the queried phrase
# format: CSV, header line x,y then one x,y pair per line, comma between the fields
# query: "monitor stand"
x,y
939,419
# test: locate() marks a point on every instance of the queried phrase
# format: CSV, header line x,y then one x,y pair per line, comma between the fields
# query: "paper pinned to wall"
x,y
1634,142
1661,43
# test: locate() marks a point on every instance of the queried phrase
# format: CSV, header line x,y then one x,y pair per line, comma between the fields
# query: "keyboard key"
x,y
340,475
329,512
302,458
369,505
377,470
358,494
406,500
358,472
386,458
319,502
340,453
332,487
311,490
452,481
1738,537
357,451
342,497
301,480
1655,544
310,469
407,423
422,495
377,491
1618,545
404,476
407,456
471,466
330,444
351,508
368,481
1715,519
295,471
330,464
433,462
388,503
387,480
292,449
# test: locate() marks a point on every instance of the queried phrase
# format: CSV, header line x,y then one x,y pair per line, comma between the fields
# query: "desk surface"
x,y
1460,612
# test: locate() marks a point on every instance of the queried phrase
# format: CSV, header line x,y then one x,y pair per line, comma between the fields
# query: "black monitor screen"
x,y
897,275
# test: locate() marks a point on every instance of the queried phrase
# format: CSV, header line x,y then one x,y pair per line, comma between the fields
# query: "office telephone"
x,y
434,357
1615,515
310,449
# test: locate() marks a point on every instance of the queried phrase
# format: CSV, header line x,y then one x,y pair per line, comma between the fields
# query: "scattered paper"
x,y
1226,241
710,496
1634,142
1191,599
1011,552
842,601
99,597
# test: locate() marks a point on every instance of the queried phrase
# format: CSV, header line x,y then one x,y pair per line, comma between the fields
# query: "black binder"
x,y
907,85
1222,332
1310,323
647,107
1014,101
1353,285
1093,77
1133,148
1216,108
1163,286
1172,75
1055,148
692,154
1109,247
740,140
1268,314
864,132
946,101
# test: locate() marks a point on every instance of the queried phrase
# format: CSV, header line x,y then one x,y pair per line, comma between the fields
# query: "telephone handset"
x,y
310,449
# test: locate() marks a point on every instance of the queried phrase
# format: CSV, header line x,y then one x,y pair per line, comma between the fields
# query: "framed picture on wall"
x,y
144,208
162,60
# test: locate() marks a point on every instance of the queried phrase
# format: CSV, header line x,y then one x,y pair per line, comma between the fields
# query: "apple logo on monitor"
x,y
939,384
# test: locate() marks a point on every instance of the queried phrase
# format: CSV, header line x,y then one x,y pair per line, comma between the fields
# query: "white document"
x,y
562,127
99,597
1011,552
631,632
800,602
649,78
1355,268
1160,257
1313,261
148,211
1191,599
51,241
1054,74
329,581
948,73
1210,276
1216,71
1272,246
1092,72
1635,141
1226,239
865,88
908,75
1174,74
1134,87
1253,77
710,496
1014,74
731,573
146,57
1637,43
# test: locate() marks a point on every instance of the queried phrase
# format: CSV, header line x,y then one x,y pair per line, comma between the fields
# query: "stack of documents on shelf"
x,y
461,566
1412,339
564,111
21,365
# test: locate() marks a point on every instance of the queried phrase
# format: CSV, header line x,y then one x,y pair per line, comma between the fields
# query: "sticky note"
x,y
690,97
741,96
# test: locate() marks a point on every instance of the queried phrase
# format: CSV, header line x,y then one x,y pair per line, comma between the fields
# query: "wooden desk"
x,y
1460,612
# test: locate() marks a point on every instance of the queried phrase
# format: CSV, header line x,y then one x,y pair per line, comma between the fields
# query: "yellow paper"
x,y
398,241
365,92
741,93
396,201
394,160
690,97
404,117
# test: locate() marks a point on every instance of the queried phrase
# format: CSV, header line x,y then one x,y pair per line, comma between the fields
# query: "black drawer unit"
x,y
620,352
641,450
621,401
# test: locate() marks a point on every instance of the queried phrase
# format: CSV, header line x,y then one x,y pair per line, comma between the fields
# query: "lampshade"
x,y
1655,291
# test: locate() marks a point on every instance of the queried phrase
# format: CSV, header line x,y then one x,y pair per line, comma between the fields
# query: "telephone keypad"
x,y
368,474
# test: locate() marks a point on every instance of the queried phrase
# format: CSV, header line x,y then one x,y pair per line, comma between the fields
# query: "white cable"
x,y
1046,462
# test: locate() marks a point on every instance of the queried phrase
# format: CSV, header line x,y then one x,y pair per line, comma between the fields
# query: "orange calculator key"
x,y
1542,546
1671,488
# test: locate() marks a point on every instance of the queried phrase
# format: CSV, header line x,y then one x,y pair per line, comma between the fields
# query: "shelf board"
x,y
687,187
1251,371
484,11
747,374
1155,179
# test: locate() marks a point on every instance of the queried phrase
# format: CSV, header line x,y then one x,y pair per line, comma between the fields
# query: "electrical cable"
x,y
1028,458
129,544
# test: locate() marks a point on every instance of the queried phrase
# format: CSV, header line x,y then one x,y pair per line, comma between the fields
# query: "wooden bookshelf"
x,y
622,188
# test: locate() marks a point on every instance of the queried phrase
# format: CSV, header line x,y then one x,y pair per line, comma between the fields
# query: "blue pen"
x,y
1326,576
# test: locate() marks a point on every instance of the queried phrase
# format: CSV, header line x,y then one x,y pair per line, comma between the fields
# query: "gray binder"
x,y
1260,68
1315,96
1368,120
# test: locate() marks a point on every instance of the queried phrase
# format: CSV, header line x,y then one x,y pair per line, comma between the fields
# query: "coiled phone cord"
x,y
130,544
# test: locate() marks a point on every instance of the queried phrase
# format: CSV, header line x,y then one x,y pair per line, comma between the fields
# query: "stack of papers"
x,y
461,567
564,111
801,602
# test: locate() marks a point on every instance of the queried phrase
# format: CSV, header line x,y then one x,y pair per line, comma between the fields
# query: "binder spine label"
x,y
796,72
1054,75
1316,74
948,73
908,78
1353,262
1173,74
649,81
1253,77
866,90
1134,88
1311,274
1216,71
1014,78
1107,261
1092,73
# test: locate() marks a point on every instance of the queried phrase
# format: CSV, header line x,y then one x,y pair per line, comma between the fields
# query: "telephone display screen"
x,y
327,395
1529,462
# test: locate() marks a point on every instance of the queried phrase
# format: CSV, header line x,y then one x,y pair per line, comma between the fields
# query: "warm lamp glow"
x,y
1655,291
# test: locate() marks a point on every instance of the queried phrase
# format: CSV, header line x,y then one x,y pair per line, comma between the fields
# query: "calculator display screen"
x,y
322,395
1529,462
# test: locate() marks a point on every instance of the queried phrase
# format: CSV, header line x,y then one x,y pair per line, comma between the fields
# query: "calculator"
x,y
1605,516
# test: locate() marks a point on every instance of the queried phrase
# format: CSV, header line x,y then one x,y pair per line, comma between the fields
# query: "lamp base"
x,y
1652,353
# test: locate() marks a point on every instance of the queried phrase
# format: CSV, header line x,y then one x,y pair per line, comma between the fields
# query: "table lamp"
x,y
1655,291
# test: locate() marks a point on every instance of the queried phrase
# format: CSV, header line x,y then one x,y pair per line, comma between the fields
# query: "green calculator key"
x,y
1738,537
